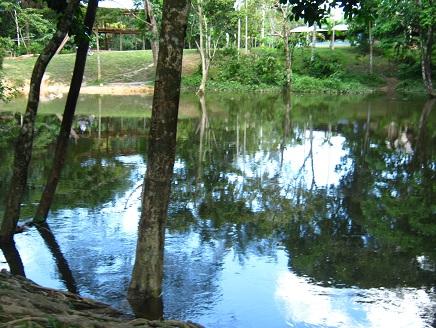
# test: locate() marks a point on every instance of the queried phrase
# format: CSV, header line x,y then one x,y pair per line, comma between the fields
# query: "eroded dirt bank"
x,y
26,304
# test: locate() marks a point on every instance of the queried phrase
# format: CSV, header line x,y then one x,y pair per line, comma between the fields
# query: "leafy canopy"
x,y
312,11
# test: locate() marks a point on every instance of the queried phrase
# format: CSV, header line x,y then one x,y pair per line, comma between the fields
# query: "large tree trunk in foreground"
x,y
67,120
152,28
146,284
23,145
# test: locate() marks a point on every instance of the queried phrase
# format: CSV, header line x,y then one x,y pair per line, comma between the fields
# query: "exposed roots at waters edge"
x,y
25,304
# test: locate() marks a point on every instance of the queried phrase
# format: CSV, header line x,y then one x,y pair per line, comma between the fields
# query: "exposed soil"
x,y
25,304
52,89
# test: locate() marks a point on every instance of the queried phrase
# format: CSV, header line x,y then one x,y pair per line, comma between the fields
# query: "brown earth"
x,y
26,304
51,89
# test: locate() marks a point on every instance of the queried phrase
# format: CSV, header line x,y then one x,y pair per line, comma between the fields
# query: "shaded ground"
x,y
25,304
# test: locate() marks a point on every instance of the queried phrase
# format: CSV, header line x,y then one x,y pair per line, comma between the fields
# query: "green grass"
x,y
136,66
116,67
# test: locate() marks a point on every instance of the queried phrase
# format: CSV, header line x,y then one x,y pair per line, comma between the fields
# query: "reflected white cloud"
x,y
304,303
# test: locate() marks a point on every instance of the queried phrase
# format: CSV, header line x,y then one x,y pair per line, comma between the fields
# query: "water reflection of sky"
x,y
297,162
209,278
212,283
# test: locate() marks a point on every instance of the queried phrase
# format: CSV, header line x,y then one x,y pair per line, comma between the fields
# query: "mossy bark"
x,y
68,116
24,142
146,283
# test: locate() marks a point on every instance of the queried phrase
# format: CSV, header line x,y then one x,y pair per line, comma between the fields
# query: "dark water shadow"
x,y
13,258
148,307
61,263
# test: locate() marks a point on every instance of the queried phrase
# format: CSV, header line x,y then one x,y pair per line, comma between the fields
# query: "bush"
x,y
322,68
257,69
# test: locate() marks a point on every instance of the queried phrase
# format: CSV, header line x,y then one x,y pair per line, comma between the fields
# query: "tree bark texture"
x,y
426,60
146,283
152,28
371,49
246,28
288,58
332,42
67,119
202,48
24,142
312,55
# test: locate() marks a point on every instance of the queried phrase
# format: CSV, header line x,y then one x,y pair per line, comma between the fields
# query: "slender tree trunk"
x,y
288,62
202,27
67,119
312,55
332,43
98,56
17,28
23,145
426,60
152,27
246,28
64,41
239,34
27,36
262,30
146,283
371,49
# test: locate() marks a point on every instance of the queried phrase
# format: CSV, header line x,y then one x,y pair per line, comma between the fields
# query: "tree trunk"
x,y
312,55
17,28
262,30
98,56
371,50
146,283
67,119
239,34
332,42
23,145
246,28
64,41
288,62
202,48
426,60
152,27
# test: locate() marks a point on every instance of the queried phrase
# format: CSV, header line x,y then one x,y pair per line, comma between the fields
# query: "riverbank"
x,y
342,71
26,304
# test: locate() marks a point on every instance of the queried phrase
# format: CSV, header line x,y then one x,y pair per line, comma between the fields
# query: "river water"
x,y
314,211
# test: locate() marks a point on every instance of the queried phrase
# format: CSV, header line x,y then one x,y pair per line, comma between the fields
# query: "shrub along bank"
x,y
343,70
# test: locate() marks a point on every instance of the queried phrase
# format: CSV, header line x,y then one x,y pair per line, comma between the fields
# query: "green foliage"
x,y
322,68
260,68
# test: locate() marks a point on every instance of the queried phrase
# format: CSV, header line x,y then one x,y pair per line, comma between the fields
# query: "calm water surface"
x,y
302,212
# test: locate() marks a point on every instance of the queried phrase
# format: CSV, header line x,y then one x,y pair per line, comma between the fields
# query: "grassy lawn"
x,y
136,66
116,67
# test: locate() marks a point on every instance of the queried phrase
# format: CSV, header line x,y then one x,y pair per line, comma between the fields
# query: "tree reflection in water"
x,y
319,186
